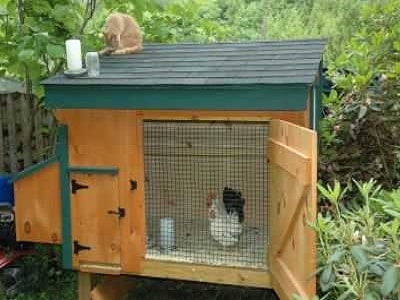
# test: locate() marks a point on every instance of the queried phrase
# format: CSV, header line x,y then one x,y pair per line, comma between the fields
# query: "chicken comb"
x,y
210,197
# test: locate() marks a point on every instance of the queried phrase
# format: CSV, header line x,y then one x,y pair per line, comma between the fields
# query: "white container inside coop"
x,y
210,177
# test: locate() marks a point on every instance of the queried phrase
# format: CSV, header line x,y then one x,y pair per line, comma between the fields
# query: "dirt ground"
x,y
150,289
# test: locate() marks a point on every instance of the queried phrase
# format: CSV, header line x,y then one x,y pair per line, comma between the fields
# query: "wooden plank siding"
x,y
27,132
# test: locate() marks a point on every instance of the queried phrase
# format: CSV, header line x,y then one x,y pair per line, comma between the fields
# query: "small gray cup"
x,y
93,64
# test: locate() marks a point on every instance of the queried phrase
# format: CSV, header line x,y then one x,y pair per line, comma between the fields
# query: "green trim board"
x,y
227,97
34,168
62,153
94,170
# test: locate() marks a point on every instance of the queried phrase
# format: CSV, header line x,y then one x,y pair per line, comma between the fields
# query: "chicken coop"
x,y
190,161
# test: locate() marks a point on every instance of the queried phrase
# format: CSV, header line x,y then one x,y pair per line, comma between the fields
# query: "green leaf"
x,y
371,296
335,257
345,295
327,278
55,51
390,280
26,55
360,256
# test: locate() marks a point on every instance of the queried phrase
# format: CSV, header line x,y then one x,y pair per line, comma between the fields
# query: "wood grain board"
x,y
94,227
293,170
38,206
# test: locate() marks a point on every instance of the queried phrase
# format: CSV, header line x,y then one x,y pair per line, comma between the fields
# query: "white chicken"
x,y
225,228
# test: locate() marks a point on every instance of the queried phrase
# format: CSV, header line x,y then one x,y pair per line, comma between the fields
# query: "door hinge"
x,y
78,247
77,186
133,184
120,212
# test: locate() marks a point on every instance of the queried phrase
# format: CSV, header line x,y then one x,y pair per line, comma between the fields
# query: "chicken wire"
x,y
189,218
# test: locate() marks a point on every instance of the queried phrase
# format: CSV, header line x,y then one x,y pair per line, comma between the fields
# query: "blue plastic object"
x,y
6,190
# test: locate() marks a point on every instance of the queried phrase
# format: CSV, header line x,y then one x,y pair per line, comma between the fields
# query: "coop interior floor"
x,y
194,244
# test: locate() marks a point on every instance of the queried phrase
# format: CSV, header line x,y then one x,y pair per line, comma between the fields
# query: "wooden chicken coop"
x,y
188,161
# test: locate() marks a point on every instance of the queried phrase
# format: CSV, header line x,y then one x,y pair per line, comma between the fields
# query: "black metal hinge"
x,y
77,186
133,184
78,247
120,212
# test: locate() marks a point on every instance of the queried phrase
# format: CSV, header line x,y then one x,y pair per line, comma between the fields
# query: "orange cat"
x,y
122,35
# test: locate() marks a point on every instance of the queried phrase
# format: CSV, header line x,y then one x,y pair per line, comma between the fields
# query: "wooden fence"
x,y
27,132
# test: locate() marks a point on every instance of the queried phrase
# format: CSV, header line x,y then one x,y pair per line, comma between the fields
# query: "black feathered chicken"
x,y
234,202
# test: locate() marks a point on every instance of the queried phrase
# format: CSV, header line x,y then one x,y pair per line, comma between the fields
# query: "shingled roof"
x,y
274,62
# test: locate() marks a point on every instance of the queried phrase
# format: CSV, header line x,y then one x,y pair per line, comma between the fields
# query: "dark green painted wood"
x,y
254,97
62,153
318,114
32,169
94,170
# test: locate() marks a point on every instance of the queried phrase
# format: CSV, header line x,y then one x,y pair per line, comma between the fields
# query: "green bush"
x,y
361,134
359,243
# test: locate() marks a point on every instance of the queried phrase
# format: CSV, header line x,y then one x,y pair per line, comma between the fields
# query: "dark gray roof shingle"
x,y
274,62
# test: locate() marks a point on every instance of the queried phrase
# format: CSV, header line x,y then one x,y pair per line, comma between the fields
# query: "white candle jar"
x,y
74,55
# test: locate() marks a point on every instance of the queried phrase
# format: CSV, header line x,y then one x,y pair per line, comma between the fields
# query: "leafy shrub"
x,y
359,243
361,134
42,276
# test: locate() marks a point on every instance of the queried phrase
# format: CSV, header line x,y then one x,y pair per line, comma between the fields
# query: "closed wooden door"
x,y
96,217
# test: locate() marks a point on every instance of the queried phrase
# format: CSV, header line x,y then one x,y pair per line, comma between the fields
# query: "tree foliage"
x,y
361,134
32,32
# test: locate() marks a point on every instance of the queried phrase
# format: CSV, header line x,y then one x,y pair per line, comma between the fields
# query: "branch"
x,y
89,12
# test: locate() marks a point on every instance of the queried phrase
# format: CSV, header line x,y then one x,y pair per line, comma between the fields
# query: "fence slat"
x,y
27,129
12,134
38,154
2,151
22,138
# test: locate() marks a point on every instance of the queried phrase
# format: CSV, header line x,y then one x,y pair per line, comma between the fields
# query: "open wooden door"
x,y
292,153
95,223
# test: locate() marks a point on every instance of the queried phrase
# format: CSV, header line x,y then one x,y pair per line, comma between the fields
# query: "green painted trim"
x,y
34,168
250,97
62,152
94,170
319,105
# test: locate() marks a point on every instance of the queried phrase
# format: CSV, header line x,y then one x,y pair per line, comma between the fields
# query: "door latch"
x,y
120,212
78,247
77,186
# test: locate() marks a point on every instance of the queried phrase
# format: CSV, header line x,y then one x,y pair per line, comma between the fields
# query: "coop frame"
x,y
83,153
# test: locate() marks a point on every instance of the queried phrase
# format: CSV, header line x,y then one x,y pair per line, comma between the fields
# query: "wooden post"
x,y
84,286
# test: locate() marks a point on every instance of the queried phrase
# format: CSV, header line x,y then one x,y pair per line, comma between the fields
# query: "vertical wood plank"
x,y
292,257
84,286
27,128
48,119
2,150
12,134
38,123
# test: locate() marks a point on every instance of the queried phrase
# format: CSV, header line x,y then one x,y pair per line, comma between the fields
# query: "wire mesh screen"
x,y
206,192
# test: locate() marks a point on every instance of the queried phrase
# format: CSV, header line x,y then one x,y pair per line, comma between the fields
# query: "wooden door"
x,y
292,153
38,203
96,216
